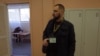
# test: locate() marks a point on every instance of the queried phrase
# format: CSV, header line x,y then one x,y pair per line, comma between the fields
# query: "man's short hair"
x,y
61,7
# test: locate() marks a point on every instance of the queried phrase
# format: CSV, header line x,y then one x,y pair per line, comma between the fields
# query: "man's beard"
x,y
56,17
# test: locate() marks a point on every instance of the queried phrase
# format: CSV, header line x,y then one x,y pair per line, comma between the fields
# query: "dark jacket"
x,y
65,37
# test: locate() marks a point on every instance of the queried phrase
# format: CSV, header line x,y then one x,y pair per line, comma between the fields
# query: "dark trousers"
x,y
51,54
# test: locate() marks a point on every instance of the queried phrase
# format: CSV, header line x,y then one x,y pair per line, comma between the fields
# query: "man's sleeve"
x,y
71,41
45,33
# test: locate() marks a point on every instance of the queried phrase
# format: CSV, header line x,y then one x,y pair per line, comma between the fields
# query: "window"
x,y
20,12
15,13
25,15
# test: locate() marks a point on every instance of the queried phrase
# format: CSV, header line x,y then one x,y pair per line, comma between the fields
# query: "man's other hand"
x,y
45,42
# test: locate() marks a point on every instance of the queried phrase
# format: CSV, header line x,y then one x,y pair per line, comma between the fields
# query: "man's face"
x,y
56,12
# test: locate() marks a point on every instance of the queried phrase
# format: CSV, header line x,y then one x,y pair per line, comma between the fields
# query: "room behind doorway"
x,y
19,16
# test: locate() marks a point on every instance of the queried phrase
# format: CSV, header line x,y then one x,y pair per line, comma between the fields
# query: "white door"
x,y
91,32
75,17
4,32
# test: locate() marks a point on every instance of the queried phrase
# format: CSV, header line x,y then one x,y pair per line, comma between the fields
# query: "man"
x,y
17,30
59,36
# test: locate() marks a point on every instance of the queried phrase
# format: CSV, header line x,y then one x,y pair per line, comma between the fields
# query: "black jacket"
x,y
65,36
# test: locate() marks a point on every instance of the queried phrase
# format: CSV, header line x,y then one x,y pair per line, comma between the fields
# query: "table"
x,y
21,35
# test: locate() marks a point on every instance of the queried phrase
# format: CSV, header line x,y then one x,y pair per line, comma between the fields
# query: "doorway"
x,y
19,26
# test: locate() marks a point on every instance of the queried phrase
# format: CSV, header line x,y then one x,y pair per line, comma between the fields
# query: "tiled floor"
x,y
22,48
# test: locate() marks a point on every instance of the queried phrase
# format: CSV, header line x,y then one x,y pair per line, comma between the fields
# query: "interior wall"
x,y
25,26
47,11
1,1
40,13
14,1
79,3
36,23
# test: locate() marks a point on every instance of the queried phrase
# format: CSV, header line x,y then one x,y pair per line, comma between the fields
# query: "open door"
x,y
4,32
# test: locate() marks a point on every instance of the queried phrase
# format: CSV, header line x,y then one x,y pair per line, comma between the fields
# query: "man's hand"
x,y
45,42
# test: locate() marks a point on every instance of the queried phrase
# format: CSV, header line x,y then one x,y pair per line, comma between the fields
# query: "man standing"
x,y
59,35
